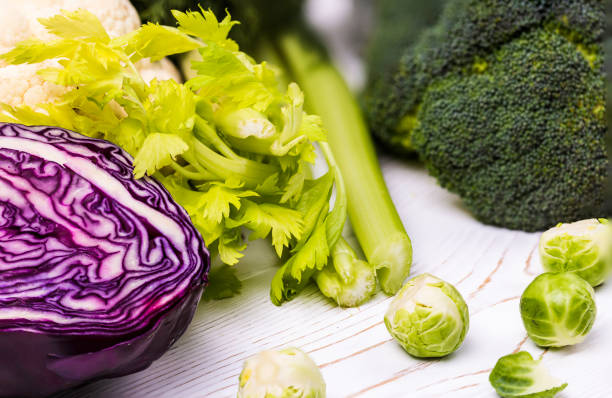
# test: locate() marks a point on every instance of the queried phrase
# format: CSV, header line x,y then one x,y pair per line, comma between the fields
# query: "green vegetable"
x,y
257,18
225,283
428,317
397,25
519,375
373,217
231,147
583,247
277,33
347,280
558,309
287,373
504,102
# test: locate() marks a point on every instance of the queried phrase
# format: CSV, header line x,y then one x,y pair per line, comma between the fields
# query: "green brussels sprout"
x,y
583,247
519,375
428,317
287,373
558,309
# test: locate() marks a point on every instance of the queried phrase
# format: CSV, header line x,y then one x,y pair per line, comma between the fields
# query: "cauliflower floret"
x,y
118,17
20,85
160,70
21,18
12,20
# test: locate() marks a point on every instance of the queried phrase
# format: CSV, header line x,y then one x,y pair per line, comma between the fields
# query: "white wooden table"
x,y
489,266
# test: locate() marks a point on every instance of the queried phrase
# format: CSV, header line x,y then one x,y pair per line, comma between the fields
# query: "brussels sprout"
x,y
519,375
583,247
428,317
558,309
288,373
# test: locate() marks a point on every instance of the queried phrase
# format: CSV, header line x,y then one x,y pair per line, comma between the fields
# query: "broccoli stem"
x,y
373,216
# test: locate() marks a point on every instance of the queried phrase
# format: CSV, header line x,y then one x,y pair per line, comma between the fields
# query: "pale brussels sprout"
x,y
519,375
428,317
583,247
287,373
558,309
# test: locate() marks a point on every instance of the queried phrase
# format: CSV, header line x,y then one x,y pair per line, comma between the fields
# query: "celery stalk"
x,y
373,216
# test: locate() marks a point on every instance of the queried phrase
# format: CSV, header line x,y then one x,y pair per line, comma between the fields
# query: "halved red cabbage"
x,y
99,273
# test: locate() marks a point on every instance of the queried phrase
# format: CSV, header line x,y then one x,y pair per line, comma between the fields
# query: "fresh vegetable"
x,y
257,18
558,309
225,283
373,216
583,247
287,373
397,25
231,147
428,317
348,280
277,33
519,375
100,273
22,84
504,102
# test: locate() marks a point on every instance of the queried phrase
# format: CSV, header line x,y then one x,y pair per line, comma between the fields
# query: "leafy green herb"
x,y
222,283
230,145
279,34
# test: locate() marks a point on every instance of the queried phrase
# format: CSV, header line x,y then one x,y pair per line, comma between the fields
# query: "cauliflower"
x,y
20,84
160,70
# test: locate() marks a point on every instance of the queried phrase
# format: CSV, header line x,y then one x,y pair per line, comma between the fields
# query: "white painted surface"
x,y
489,266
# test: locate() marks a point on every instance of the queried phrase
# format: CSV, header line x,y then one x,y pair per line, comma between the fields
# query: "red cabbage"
x,y
99,272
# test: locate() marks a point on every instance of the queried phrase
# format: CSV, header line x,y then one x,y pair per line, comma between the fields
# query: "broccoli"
x,y
607,48
504,100
399,23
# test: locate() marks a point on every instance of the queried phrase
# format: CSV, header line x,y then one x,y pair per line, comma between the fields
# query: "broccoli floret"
x,y
607,48
398,24
504,100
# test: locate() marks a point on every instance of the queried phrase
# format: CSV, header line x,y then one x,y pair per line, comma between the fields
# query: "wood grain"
x,y
489,266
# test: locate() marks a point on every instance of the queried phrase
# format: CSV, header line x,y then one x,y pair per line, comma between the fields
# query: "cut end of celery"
x,y
392,261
